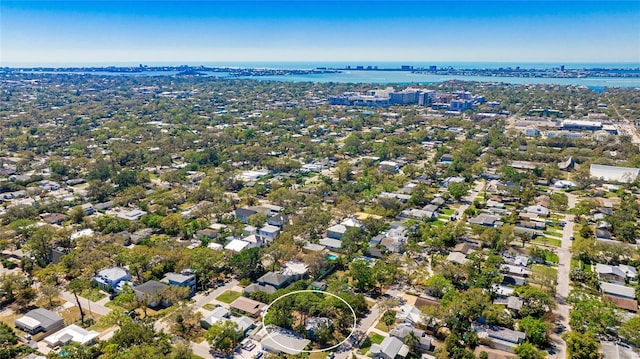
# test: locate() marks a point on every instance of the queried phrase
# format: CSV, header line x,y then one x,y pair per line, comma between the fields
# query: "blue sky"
x,y
33,32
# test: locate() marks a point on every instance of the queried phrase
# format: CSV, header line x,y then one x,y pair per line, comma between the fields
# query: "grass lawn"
x,y
228,296
544,271
548,241
552,232
209,306
552,257
448,211
112,305
9,319
384,327
93,294
72,315
319,355
375,339
44,302
437,223
575,263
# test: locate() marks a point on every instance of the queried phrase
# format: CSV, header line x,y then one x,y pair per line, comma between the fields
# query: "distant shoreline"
x,y
553,72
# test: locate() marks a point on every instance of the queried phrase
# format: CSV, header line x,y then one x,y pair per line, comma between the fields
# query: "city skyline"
x,y
83,32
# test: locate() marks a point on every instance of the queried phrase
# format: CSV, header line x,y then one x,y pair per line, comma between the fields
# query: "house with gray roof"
x,y
276,280
537,209
486,220
425,341
390,348
151,292
281,341
216,315
255,287
109,278
39,320
336,232
330,243
618,290
502,338
613,274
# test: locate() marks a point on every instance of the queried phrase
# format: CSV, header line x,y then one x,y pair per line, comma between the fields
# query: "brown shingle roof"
x,y
623,303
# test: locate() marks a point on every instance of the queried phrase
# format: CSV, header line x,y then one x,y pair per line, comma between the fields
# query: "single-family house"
x,y
331,244
132,215
54,218
39,320
295,269
286,342
618,290
268,233
537,209
425,341
152,293
237,245
337,231
243,214
247,306
611,274
109,278
390,348
502,338
418,214
278,220
486,220
72,333
181,280
216,315
276,280
410,314
457,258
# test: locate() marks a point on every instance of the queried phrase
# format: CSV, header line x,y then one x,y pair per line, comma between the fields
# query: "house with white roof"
x,y
72,333
237,245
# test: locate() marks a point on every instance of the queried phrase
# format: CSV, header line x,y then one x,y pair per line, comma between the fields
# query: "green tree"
x,y
77,214
247,264
631,330
536,302
389,318
526,350
362,274
592,314
438,285
558,201
582,345
258,220
535,329
223,336
458,190
172,224
8,340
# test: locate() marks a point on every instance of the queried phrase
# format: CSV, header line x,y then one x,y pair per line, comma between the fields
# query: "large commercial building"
x,y
614,174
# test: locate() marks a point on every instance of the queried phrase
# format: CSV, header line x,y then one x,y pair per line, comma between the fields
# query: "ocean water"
x,y
400,77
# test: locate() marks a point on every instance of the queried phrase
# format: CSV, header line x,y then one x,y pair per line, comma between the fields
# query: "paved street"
x,y
87,305
563,288
362,327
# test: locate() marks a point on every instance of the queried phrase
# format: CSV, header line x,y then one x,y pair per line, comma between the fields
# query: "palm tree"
x,y
411,340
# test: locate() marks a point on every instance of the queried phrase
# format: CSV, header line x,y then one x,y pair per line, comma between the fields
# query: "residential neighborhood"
x,y
164,216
